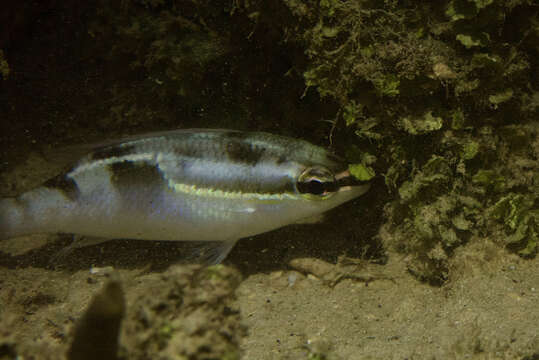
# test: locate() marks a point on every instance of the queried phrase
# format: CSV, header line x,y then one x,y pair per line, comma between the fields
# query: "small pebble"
x,y
292,279
101,271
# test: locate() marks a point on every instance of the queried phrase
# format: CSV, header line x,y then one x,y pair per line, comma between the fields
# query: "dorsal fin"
x,y
70,154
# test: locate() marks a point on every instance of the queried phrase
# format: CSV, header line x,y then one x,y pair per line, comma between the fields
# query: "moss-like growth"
x,y
433,101
521,222
489,179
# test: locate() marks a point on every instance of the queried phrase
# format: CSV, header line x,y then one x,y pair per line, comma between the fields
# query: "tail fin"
x,y
36,211
11,219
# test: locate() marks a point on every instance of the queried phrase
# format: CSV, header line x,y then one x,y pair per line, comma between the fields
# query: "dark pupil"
x,y
315,187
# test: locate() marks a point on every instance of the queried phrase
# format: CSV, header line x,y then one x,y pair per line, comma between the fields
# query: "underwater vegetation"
x,y
440,98
189,314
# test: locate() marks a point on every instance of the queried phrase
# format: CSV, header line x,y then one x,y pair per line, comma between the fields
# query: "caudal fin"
x,y
11,219
37,211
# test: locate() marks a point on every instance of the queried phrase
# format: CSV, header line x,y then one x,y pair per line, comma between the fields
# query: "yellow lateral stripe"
x,y
216,193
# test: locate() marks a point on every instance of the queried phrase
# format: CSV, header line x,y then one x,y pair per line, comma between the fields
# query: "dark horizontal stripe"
x,y
244,153
64,184
126,174
236,150
112,151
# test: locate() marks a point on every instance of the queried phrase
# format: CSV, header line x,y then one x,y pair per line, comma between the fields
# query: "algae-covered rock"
x,y
187,312
97,332
431,100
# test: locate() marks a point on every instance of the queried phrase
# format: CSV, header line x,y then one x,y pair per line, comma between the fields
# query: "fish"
x,y
204,185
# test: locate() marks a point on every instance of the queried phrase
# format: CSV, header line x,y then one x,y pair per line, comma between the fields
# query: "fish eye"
x,y
316,182
315,187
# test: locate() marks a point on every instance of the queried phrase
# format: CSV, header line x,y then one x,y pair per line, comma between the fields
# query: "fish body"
x,y
185,185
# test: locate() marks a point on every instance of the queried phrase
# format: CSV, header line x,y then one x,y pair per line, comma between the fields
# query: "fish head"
x,y
292,181
321,184
320,180
321,188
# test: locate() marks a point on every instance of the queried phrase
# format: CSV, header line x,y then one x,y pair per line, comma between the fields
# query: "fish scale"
x,y
185,185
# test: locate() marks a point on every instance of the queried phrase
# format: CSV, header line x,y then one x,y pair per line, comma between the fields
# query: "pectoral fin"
x,y
78,242
208,252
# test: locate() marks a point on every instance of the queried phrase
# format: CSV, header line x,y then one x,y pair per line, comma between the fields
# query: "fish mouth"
x,y
345,181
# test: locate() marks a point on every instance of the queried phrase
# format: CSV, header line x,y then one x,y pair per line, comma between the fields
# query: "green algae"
x,y
361,172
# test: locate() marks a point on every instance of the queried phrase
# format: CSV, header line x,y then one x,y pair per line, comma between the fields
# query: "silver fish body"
x,y
200,185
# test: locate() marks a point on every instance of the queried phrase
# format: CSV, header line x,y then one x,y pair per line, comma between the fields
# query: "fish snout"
x,y
346,182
